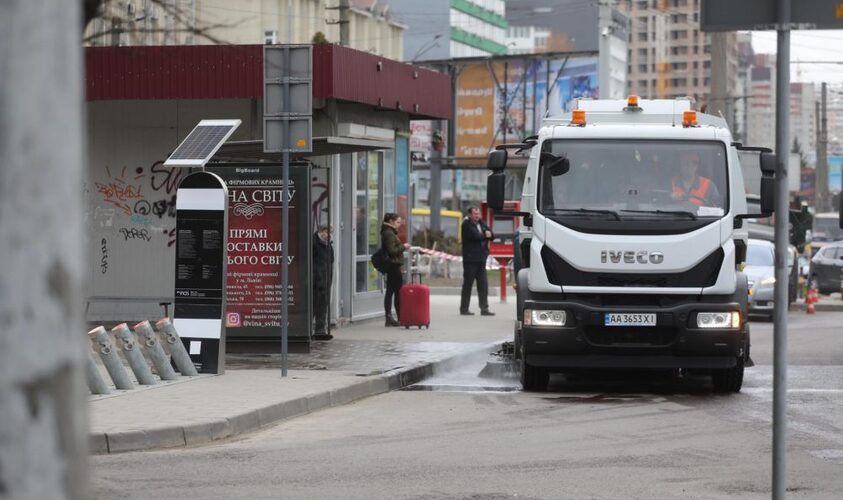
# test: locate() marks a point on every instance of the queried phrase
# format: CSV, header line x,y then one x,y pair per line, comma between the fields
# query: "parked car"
x,y
826,267
761,273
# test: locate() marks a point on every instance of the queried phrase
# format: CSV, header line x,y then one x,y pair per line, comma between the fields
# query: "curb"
x,y
210,430
821,307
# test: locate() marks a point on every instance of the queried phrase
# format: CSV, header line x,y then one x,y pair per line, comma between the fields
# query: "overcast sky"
x,y
808,45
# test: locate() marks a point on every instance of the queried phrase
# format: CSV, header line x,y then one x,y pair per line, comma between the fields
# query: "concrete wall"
x,y
130,199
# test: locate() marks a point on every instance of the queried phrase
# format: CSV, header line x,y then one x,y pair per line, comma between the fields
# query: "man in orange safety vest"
x,y
690,186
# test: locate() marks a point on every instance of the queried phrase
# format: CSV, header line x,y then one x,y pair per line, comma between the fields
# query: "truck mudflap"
x,y
673,340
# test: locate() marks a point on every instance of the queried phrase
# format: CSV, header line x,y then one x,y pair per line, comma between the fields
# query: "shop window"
x,y
368,219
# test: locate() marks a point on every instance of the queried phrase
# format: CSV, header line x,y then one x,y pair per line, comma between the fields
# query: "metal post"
x,y
133,355
177,351
344,20
781,242
823,196
434,194
285,209
156,353
95,382
102,344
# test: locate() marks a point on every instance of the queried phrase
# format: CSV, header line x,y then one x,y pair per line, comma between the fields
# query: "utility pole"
x,y
779,486
719,102
43,398
822,203
344,27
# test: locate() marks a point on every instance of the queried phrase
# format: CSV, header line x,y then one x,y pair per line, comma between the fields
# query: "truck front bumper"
x,y
675,342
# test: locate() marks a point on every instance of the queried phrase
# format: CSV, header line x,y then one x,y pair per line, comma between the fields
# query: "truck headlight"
x,y
719,320
537,317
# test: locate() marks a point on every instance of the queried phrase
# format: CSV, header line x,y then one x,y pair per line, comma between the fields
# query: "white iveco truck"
x,y
632,243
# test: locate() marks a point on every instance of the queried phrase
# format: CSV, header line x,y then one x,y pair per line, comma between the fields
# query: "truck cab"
x,y
632,242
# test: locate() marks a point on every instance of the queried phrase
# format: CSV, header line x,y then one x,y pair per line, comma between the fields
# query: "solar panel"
x,y
202,143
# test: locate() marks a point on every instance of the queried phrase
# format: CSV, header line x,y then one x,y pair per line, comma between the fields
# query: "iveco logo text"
x,y
631,257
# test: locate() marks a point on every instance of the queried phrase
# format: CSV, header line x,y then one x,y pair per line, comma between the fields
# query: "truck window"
x,y
648,178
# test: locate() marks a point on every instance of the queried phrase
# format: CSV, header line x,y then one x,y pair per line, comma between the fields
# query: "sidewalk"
x,y
831,302
363,360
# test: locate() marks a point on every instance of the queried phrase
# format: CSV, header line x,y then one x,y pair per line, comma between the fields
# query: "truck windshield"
x,y
634,179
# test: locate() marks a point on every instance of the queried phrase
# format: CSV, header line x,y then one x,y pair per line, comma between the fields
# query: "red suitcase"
x,y
415,305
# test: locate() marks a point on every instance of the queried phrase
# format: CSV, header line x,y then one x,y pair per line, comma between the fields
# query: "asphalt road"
x,y
605,435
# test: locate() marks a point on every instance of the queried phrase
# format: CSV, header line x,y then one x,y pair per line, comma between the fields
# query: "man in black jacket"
x,y
323,266
475,251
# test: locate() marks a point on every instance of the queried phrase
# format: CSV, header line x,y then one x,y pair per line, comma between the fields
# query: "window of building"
x,y
270,37
642,52
642,37
642,68
706,64
369,202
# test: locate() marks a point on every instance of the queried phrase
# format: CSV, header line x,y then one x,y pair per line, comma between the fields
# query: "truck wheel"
x,y
533,378
728,379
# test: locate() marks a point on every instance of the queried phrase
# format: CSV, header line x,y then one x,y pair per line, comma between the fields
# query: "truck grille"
x,y
560,272
654,336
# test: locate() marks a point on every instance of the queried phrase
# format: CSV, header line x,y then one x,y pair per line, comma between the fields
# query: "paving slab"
x,y
363,360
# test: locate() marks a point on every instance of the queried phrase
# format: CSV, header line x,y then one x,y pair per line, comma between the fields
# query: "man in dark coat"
x,y
323,266
475,251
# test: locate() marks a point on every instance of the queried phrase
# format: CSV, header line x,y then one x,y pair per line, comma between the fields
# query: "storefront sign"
x,y
253,286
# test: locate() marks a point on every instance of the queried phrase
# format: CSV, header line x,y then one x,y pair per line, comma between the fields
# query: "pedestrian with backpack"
x,y
394,249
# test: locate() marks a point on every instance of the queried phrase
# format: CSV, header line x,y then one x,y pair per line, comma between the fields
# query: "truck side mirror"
x,y
556,165
496,182
768,182
497,160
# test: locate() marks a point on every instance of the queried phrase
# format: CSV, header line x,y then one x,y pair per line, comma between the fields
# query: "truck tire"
x,y
728,379
533,378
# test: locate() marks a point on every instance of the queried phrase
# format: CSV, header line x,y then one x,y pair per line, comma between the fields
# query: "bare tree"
x,y
43,399
146,22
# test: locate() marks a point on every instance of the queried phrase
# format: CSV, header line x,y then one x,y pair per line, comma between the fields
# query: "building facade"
x,y
362,106
669,56
201,22
445,29
761,109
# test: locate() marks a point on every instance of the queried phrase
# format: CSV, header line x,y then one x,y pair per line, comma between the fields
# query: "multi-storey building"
x,y
668,54
444,29
761,118
371,27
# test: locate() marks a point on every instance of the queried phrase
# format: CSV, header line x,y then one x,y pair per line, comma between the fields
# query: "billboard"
x,y
835,163
505,101
253,278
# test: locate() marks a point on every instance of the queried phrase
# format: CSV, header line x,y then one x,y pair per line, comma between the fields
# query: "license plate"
x,y
630,319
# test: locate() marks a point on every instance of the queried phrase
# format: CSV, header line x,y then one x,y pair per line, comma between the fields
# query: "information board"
x,y
253,281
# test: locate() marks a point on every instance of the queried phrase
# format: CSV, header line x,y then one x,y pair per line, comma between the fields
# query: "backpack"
x,y
381,260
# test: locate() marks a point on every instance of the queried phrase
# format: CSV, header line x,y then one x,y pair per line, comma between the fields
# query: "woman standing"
x,y
395,250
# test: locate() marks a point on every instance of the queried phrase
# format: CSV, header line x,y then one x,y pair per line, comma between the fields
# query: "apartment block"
x,y
668,54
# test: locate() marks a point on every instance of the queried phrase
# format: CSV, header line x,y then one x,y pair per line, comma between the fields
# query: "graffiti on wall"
x,y
139,203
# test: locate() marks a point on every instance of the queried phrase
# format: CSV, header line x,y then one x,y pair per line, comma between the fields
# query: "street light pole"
x,y
781,244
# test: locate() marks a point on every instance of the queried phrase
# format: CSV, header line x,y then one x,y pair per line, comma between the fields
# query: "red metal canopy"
x,y
236,72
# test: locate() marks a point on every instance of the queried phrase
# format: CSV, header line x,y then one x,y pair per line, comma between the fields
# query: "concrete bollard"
x,y
180,356
133,354
156,353
103,346
92,374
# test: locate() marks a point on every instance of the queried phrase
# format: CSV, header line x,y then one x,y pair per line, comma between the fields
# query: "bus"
x,y
449,221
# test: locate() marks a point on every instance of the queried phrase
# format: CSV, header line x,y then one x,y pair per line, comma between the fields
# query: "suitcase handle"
x,y
413,275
